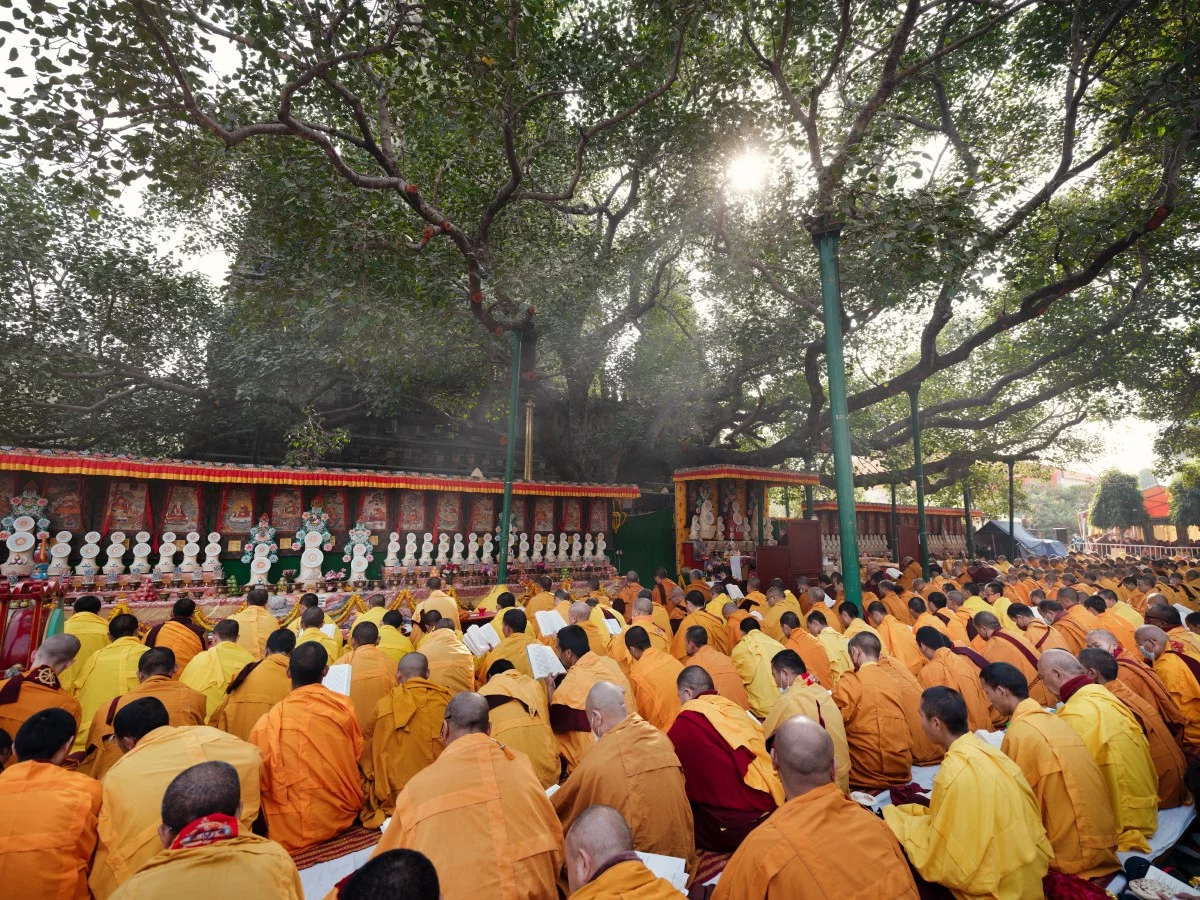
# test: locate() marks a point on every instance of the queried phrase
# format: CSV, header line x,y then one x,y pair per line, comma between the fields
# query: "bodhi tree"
x,y
1117,502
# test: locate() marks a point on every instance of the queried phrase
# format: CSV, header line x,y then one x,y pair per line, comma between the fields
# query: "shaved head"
x,y
466,714
413,665
578,612
1102,640
605,707
313,617
803,755
203,789
643,606
1153,640
57,651
1057,667
597,835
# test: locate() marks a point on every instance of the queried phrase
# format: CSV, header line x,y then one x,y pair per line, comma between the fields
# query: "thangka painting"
x,y
447,518
412,511
65,493
237,510
733,509
8,487
335,504
572,518
181,509
127,507
483,513
519,513
598,517
373,509
286,510
543,515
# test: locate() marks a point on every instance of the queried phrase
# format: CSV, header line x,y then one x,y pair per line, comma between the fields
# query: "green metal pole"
x,y
827,249
914,399
1012,535
970,527
895,548
506,506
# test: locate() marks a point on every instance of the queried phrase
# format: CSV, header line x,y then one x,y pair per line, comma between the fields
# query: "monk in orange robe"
x,y
372,676
923,617
1036,632
48,815
156,678
543,600
792,856
1075,621
520,719
664,595
404,738
450,662
777,605
23,695
897,638
652,678
924,751
515,640
255,623
949,669
476,780
1004,646
720,668
632,768
873,709
894,603
816,660
718,638
1108,620
697,583
733,621
179,634
955,627
257,687
580,614
730,782
310,744
631,590
567,700
755,599
602,864
643,617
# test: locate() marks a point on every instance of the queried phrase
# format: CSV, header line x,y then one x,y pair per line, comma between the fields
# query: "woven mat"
x,y
709,865
356,838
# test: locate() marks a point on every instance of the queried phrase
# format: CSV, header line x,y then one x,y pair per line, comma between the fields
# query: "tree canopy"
x,y
1117,502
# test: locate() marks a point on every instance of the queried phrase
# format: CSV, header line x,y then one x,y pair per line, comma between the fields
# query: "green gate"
x,y
645,543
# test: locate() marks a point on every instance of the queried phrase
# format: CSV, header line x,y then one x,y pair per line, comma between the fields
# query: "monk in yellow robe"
x,y
255,623
375,611
729,778
212,671
48,815
310,744
1116,743
790,856
719,667
755,599
1179,671
948,669
808,648
154,753
581,614
25,694
257,687
180,634
982,833
897,638
405,737
204,852
567,701
372,676
156,677
698,615
392,639
309,601
1071,792
108,673
513,647
777,605
752,659
632,768
87,626
450,662
1109,621
602,864
835,644
873,709
441,602
803,696
1169,762
520,719
1012,648
652,678
477,780
1120,608
1133,672
817,603
314,628
543,600
644,618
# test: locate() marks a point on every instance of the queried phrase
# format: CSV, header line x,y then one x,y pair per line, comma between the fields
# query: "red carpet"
x,y
356,838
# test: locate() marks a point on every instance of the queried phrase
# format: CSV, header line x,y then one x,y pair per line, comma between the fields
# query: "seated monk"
x,y
873,709
376,609
1115,740
404,737
24,694
154,753
697,583
211,672
1036,632
803,696
852,622
91,630
924,751
543,600
631,590
718,639
47,814
180,634
652,677
479,813
1179,671
255,623
817,601
642,616
894,603
109,673
372,676
752,659
601,862
580,614
205,851
1133,672
313,628
1169,762
733,619
520,718
1122,630
777,605
808,648
441,602
156,678
451,664
835,644
392,639
730,782
310,744
663,595
633,768
1004,646
257,688
948,669
718,666
922,615
799,852
939,606
1071,793
567,700
514,641
755,599
1167,617
897,638
982,834
1075,621
1119,607
396,873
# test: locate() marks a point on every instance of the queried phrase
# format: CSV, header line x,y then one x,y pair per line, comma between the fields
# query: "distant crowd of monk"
x,y
777,738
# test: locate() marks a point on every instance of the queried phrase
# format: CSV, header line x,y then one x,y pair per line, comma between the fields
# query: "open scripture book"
x,y
480,639
544,661
549,622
